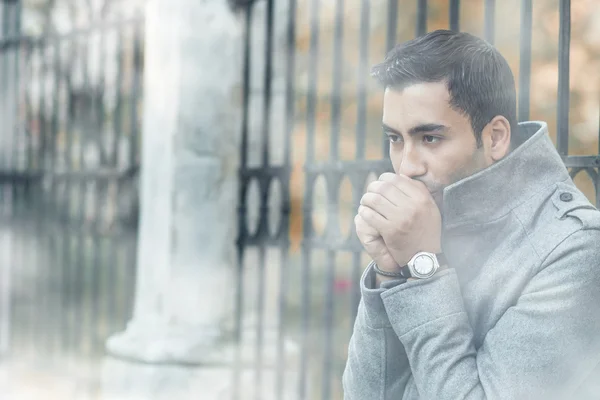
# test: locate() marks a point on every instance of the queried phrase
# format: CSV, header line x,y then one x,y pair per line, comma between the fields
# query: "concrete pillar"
x,y
184,303
186,255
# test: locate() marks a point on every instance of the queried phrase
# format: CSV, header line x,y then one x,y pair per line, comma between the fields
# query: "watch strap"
x,y
405,272
386,273
441,257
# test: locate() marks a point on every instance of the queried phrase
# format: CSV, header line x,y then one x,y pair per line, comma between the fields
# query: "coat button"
x,y
566,196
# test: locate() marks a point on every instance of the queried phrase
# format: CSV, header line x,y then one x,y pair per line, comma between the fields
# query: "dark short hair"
x,y
478,77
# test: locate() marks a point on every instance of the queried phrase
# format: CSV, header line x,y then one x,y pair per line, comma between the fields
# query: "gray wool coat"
x,y
517,313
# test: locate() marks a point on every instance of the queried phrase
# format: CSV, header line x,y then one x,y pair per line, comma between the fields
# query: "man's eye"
x,y
394,138
430,139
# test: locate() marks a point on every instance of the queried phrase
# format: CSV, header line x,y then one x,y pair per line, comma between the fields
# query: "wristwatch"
x,y
423,265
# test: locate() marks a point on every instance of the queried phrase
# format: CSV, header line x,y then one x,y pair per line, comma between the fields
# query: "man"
x,y
485,280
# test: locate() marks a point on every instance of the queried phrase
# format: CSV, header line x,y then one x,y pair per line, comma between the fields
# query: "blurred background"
x,y
110,110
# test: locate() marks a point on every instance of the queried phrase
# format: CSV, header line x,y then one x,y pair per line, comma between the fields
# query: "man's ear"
x,y
496,139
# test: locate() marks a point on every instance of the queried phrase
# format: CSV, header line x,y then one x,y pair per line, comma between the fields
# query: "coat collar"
x,y
494,191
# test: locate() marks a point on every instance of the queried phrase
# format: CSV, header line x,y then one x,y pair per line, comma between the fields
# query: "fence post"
x,y
186,255
10,26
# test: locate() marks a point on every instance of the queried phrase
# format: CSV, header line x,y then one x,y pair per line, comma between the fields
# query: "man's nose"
x,y
410,164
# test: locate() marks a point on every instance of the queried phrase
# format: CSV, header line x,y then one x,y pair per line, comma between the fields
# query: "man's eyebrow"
x,y
423,128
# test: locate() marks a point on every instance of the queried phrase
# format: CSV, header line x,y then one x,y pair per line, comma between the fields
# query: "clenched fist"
x,y
398,218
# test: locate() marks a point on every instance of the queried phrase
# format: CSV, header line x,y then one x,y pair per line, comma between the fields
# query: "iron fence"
x,y
329,252
69,160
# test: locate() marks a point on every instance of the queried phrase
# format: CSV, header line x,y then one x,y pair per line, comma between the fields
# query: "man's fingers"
x,y
414,189
380,204
389,191
363,228
373,218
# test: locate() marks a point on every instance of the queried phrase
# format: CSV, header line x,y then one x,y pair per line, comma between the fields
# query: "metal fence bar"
x,y
282,297
102,196
136,94
260,319
336,77
333,183
289,78
305,298
69,320
54,151
490,25
363,71
4,84
12,61
361,131
564,44
19,39
118,135
268,73
328,324
42,203
355,278
283,234
421,18
245,91
582,161
5,270
308,194
391,33
242,210
454,15
392,24
27,105
311,101
117,127
81,240
10,194
264,197
525,59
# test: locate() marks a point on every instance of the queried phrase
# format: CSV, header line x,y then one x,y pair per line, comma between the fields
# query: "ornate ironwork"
x,y
332,242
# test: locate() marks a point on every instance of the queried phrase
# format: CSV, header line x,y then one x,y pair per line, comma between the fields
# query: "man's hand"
x,y
373,243
398,218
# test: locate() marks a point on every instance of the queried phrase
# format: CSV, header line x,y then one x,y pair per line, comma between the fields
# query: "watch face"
x,y
423,265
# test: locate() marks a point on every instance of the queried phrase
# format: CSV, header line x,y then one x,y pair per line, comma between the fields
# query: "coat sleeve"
x,y
377,366
543,347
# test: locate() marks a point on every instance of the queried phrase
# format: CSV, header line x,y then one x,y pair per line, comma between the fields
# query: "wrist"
x,y
386,274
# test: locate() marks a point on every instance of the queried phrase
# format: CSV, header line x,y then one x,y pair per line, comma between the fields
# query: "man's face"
x,y
429,141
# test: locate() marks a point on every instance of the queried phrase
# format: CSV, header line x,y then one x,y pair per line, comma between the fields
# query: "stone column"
x,y
186,255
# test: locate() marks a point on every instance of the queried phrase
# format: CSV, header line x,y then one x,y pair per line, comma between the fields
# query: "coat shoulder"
x,y
554,215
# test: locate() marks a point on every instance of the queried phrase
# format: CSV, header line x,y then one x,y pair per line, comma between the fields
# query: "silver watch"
x,y
423,265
